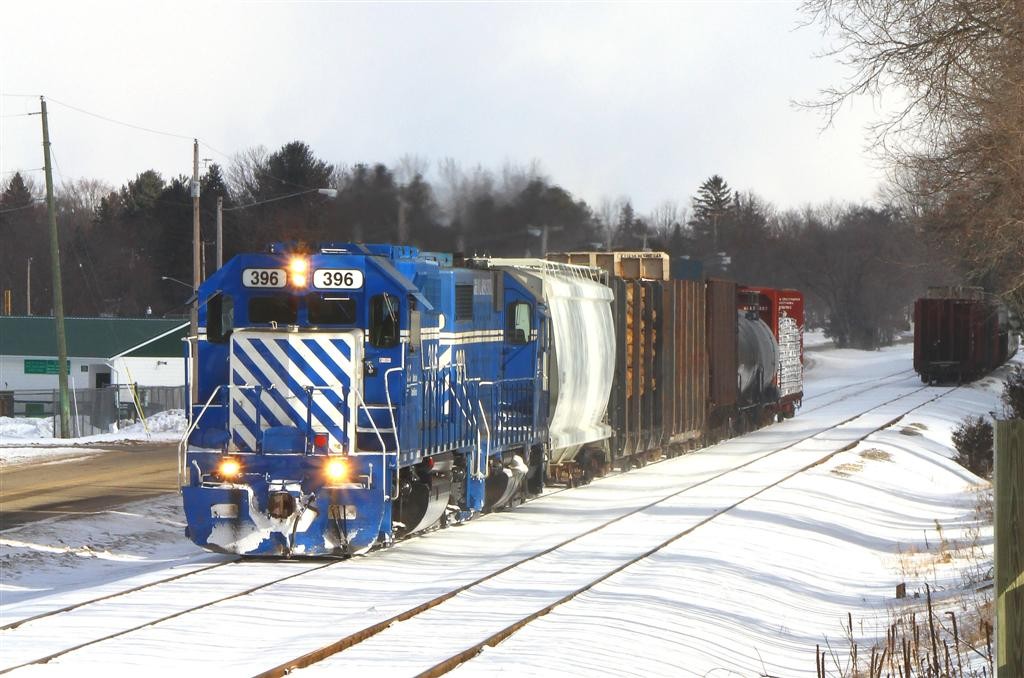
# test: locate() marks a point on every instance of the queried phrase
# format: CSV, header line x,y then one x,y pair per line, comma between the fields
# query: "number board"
x,y
264,277
337,279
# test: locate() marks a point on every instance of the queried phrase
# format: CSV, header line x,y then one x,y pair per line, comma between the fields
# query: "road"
x,y
95,481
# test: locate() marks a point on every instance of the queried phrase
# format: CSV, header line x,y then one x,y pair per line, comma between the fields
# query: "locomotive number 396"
x,y
264,277
337,279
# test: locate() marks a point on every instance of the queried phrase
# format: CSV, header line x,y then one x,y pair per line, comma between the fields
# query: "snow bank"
x,y
26,427
168,425
25,439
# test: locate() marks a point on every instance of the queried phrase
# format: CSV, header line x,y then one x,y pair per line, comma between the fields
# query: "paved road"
x,y
93,482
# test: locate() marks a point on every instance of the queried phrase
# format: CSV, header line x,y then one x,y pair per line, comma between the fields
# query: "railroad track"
x,y
872,384
875,384
305,575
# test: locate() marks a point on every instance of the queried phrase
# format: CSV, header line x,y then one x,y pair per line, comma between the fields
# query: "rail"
x,y
374,627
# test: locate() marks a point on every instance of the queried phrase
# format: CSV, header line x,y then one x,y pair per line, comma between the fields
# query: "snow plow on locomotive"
x,y
349,395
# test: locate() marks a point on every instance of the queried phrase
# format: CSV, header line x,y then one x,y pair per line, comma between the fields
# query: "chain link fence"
x,y
94,410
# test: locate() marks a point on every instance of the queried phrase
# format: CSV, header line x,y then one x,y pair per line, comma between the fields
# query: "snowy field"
x,y
746,592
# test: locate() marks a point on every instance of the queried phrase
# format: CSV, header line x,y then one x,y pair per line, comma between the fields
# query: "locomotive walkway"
x,y
492,575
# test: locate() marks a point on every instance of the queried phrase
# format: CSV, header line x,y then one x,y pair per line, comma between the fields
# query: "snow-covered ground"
x,y
750,593
24,439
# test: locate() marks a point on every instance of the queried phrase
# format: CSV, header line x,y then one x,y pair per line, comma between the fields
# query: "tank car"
x,y
782,313
960,334
350,394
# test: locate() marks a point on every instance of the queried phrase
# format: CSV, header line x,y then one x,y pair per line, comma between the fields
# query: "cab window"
x,y
518,323
220,317
281,310
325,309
384,325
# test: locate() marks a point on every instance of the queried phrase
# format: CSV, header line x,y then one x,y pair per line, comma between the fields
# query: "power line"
x,y
31,169
120,122
34,202
274,199
12,95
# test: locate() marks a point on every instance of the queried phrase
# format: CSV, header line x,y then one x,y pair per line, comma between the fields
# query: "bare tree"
x,y
956,144
409,166
243,174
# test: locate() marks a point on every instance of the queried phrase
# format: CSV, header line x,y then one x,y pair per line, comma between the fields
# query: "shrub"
x,y
1013,393
973,442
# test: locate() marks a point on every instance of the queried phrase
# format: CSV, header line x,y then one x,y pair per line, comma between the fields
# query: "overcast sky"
x,y
637,100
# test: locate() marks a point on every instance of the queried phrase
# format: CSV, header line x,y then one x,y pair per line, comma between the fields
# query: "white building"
x,y
101,352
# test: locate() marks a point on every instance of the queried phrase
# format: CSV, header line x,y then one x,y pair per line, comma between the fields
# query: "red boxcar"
x,y
783,312
960,338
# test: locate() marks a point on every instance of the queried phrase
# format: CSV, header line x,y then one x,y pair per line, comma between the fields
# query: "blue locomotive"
x,y
348,394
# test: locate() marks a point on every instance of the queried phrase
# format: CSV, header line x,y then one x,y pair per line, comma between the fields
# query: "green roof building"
x,y
101,352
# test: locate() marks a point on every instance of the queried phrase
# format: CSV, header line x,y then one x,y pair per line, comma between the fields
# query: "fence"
x,y
94,410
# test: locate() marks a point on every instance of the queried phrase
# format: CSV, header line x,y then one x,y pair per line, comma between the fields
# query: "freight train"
x,y
960,334
346,395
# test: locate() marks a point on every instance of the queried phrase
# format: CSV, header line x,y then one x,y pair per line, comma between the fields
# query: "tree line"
x,y
860,266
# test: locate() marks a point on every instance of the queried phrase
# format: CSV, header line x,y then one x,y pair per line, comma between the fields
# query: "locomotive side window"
x,y
517,319
415,321
220,318
325,309
280,310
463,302
384,325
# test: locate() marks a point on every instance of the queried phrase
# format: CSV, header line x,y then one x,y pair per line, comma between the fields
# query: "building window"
x,y
384,324
518,323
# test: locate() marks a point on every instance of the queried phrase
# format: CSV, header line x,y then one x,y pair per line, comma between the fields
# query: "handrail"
x,y
394,424
183,444
487,427
383,453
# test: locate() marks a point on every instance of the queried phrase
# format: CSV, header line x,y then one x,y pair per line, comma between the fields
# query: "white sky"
x,y
638,100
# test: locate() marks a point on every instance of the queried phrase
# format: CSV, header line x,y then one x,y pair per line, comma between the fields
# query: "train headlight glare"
x,y
298,267
337,470
229,468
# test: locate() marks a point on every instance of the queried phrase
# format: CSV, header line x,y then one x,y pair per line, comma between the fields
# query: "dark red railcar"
x,y
722,347
783,311
959,335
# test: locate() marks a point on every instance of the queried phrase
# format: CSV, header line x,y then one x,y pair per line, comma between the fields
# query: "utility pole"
x,y
58,296
28,287
196,244
220,231
543,241
1008,477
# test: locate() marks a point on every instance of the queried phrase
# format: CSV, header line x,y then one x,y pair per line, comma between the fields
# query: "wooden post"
x,y
1009,547
58,293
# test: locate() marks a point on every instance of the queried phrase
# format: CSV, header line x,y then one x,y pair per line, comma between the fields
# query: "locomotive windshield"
x,y
280,310
330,310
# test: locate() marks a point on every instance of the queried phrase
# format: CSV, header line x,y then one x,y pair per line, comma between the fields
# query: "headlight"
x,y
229,468
336,470
297,269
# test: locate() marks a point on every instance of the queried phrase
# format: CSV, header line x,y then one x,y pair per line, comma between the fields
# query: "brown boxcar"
x,y
657,402
722,337
959,338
